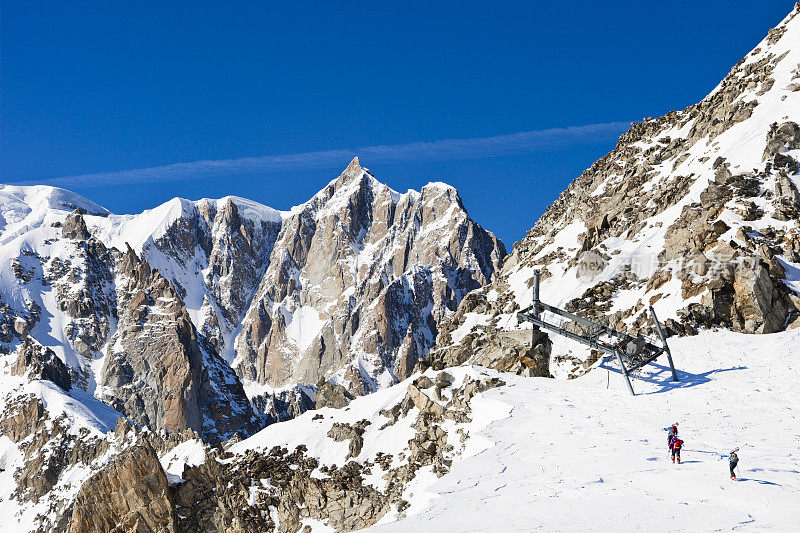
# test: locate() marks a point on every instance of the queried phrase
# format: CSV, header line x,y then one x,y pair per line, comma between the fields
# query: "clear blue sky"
x,y
89,87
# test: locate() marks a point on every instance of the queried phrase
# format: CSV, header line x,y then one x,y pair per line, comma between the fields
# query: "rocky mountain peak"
x,y
74,226
154,311
352,170
341,261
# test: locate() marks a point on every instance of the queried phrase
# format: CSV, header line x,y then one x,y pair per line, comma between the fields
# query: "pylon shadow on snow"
x,y
662,377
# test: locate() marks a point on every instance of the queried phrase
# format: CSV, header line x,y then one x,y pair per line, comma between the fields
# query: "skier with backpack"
x,y
672,431
676,446
734,460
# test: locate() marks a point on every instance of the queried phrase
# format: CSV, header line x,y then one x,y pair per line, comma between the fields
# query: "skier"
x,y
672,434
676,449
734,460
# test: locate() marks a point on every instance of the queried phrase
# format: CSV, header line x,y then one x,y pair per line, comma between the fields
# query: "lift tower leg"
x,y
624,371
666,346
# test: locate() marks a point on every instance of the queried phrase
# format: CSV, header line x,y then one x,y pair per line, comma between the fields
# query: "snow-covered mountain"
x,y
349,286
141,355
169,318
358,281
695,213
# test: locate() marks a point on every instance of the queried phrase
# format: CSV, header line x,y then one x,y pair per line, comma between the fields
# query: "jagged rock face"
x,y
695,213
253,489
147,312
46,471
41,363
285,404
215,257
523,352
159,372
343,499
141,499
331,395
361,275
48,449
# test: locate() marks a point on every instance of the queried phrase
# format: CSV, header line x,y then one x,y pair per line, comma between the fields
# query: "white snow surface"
x,y
584,455
23,208
569,455
189,453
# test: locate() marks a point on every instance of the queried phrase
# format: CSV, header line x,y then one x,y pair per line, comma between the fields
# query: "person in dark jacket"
x,y
672,434
677,444
734,460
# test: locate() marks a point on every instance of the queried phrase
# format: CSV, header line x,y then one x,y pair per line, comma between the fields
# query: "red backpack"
x,y
676,444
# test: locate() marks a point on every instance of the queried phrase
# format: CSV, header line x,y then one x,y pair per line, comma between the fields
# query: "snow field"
x,y
575,455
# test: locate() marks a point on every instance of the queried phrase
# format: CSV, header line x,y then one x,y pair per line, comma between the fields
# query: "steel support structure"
x,y
666,346
646,351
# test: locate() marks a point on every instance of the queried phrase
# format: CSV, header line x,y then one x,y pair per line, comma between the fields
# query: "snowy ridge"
x,y
144,229
25,208
695,213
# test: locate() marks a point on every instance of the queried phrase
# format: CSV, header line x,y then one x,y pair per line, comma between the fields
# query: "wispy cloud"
x,y
442,150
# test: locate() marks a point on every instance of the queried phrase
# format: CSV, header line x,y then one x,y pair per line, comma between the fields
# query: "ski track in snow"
x,y
577,456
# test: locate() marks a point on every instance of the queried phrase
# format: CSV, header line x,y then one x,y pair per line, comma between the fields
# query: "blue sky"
x,y
99,87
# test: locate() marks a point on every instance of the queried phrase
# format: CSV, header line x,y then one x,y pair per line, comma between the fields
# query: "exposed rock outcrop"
x,y
362,269
524,352
331,395
276,490
129,494
39,362
74,226
161,373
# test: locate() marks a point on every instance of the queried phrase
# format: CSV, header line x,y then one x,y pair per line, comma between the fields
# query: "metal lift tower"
x,y
632,352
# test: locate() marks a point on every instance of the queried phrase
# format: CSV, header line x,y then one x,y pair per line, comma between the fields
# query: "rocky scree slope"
x,y
695,213
331,468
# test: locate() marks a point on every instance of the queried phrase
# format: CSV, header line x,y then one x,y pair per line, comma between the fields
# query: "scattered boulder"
x,y
423,402
785,188
330,395
444,380
21,327
759,306
423,382
341,432
781,138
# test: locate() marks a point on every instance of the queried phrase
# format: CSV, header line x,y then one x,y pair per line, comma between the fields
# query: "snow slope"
x,y
583,455
695,214
25,208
